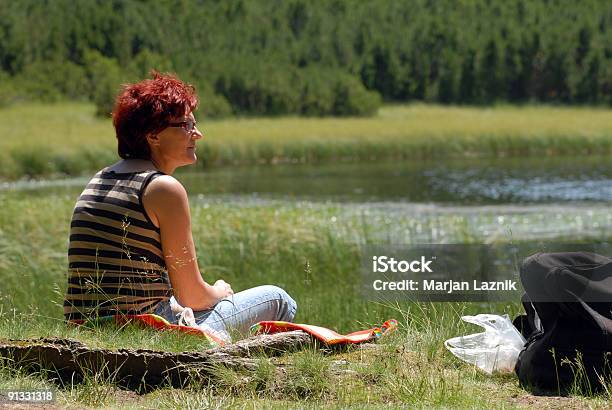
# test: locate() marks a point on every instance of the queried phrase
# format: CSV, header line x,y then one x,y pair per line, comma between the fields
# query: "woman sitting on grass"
x,y
131,247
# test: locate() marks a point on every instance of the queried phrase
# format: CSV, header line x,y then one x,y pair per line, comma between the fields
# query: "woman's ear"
x,y
153,139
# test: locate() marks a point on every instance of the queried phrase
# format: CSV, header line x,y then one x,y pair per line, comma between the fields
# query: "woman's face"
x,y
175,145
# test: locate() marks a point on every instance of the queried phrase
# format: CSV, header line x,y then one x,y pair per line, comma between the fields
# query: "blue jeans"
x,y
238,312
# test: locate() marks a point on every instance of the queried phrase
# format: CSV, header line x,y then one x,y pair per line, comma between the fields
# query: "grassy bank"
x,y
39,140
249,243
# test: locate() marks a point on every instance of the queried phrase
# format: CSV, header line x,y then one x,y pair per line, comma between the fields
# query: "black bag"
x,y
568,325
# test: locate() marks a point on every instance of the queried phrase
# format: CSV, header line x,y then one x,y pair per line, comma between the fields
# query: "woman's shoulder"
x,y
165,188
166,184
165,199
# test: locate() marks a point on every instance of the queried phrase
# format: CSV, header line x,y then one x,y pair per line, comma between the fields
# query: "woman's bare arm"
x,y
166,203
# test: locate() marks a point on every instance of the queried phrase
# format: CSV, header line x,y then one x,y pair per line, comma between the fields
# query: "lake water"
x,y
475,181
456,182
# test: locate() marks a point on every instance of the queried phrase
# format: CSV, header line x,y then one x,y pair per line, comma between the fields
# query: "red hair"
x,y
147,107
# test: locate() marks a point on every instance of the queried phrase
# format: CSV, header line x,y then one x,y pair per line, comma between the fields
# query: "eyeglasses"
x,y
188,125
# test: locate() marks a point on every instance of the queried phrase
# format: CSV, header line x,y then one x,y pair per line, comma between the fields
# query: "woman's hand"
x,y
223,288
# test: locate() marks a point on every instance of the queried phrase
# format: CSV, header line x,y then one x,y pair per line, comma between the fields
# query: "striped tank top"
x,y
115,259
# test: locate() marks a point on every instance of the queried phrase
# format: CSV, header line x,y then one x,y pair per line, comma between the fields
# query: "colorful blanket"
x,y
327,336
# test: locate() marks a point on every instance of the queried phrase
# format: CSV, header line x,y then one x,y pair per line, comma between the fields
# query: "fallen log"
x,y
67,360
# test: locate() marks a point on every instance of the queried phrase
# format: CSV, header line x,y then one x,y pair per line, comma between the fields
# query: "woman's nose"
x,y
196,133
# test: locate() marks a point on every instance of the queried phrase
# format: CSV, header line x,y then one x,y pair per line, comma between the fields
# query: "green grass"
x,y
313,251
67,138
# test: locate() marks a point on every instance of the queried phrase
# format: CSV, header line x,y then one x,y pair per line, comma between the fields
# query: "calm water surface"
x,y
451,182
515,181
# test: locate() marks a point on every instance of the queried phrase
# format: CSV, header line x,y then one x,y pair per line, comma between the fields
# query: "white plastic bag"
x,y
495,350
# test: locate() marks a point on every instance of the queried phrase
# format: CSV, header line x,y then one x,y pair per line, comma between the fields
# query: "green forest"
x,y
310,57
